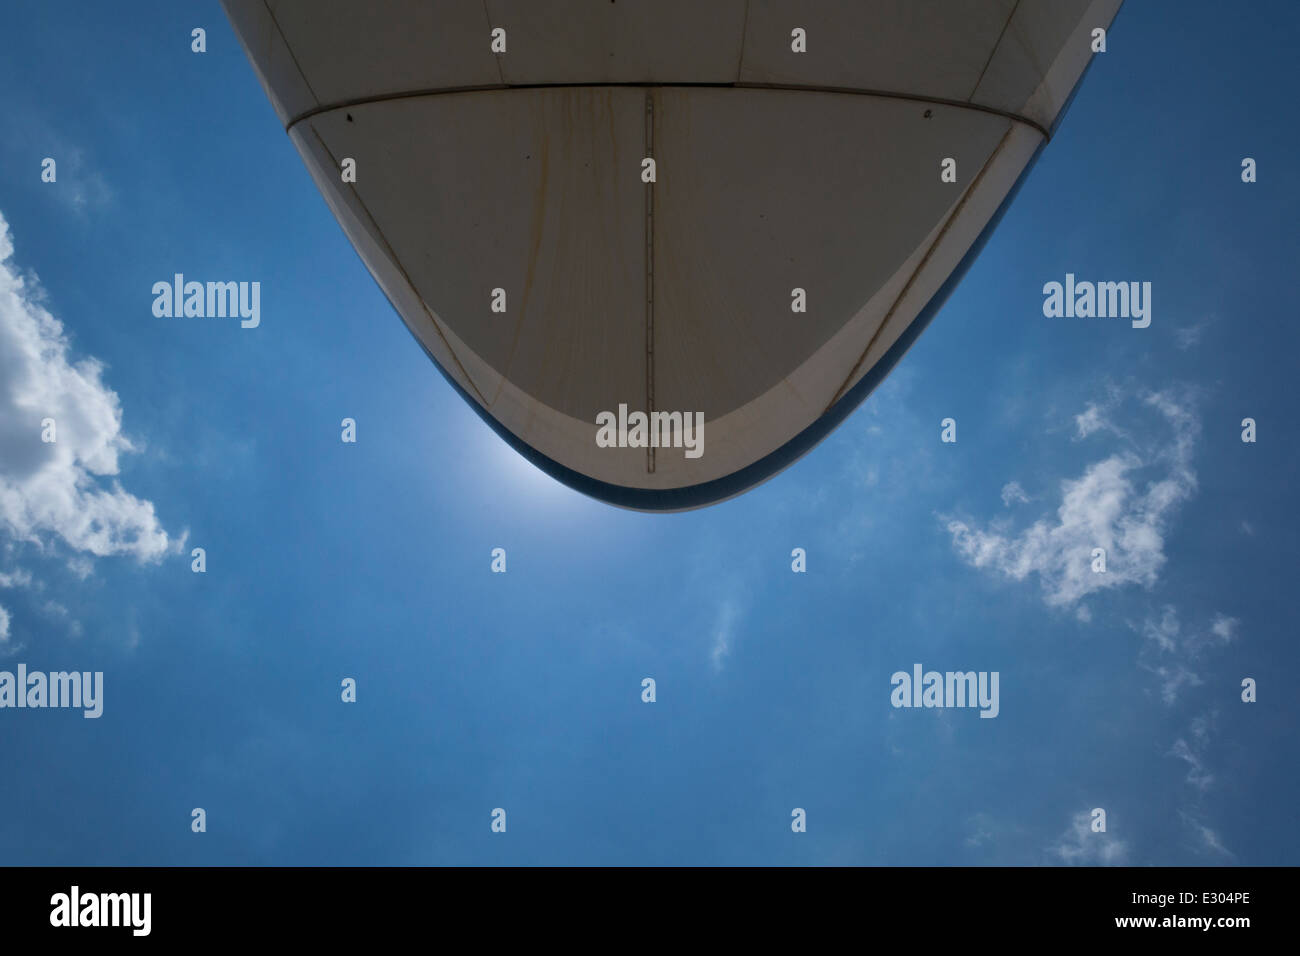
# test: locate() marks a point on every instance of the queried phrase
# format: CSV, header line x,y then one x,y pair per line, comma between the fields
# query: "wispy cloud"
x,y
724,632
79,185
1197,774
1164,632
1091,419
1109,506
1207,839
1080,846
1191,748
59,613
1173,678
1170,651
1224,628
1187,336
1012,493
982,832
15,579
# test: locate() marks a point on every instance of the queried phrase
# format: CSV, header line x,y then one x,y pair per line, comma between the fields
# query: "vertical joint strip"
x,y
650,275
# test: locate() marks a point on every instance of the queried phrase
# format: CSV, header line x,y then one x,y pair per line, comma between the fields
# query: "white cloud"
x,y
1012,492
1090,420
1109,506
81,566
1079,846
16,579
1224,627
1168,649
1163,634
1208,839
57,611
1189,335
1200,728
78,185
1173,678
64,490
983,834
724,632
1190,749
1198,774
4,626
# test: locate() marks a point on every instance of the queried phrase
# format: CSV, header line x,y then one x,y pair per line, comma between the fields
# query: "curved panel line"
x,y
920,267
378,236
792,87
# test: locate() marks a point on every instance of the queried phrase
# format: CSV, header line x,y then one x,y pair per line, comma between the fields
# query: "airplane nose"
x,y
740,215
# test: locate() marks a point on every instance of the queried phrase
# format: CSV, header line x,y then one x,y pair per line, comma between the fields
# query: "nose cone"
x,y
664,247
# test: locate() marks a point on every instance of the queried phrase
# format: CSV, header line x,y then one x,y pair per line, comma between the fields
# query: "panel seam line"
x,y
788,87
920,267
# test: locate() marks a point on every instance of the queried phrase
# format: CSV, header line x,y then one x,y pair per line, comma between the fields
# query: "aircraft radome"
x,y
609,222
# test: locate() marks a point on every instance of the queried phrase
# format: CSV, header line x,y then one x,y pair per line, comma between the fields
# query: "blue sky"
x,y
479,690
